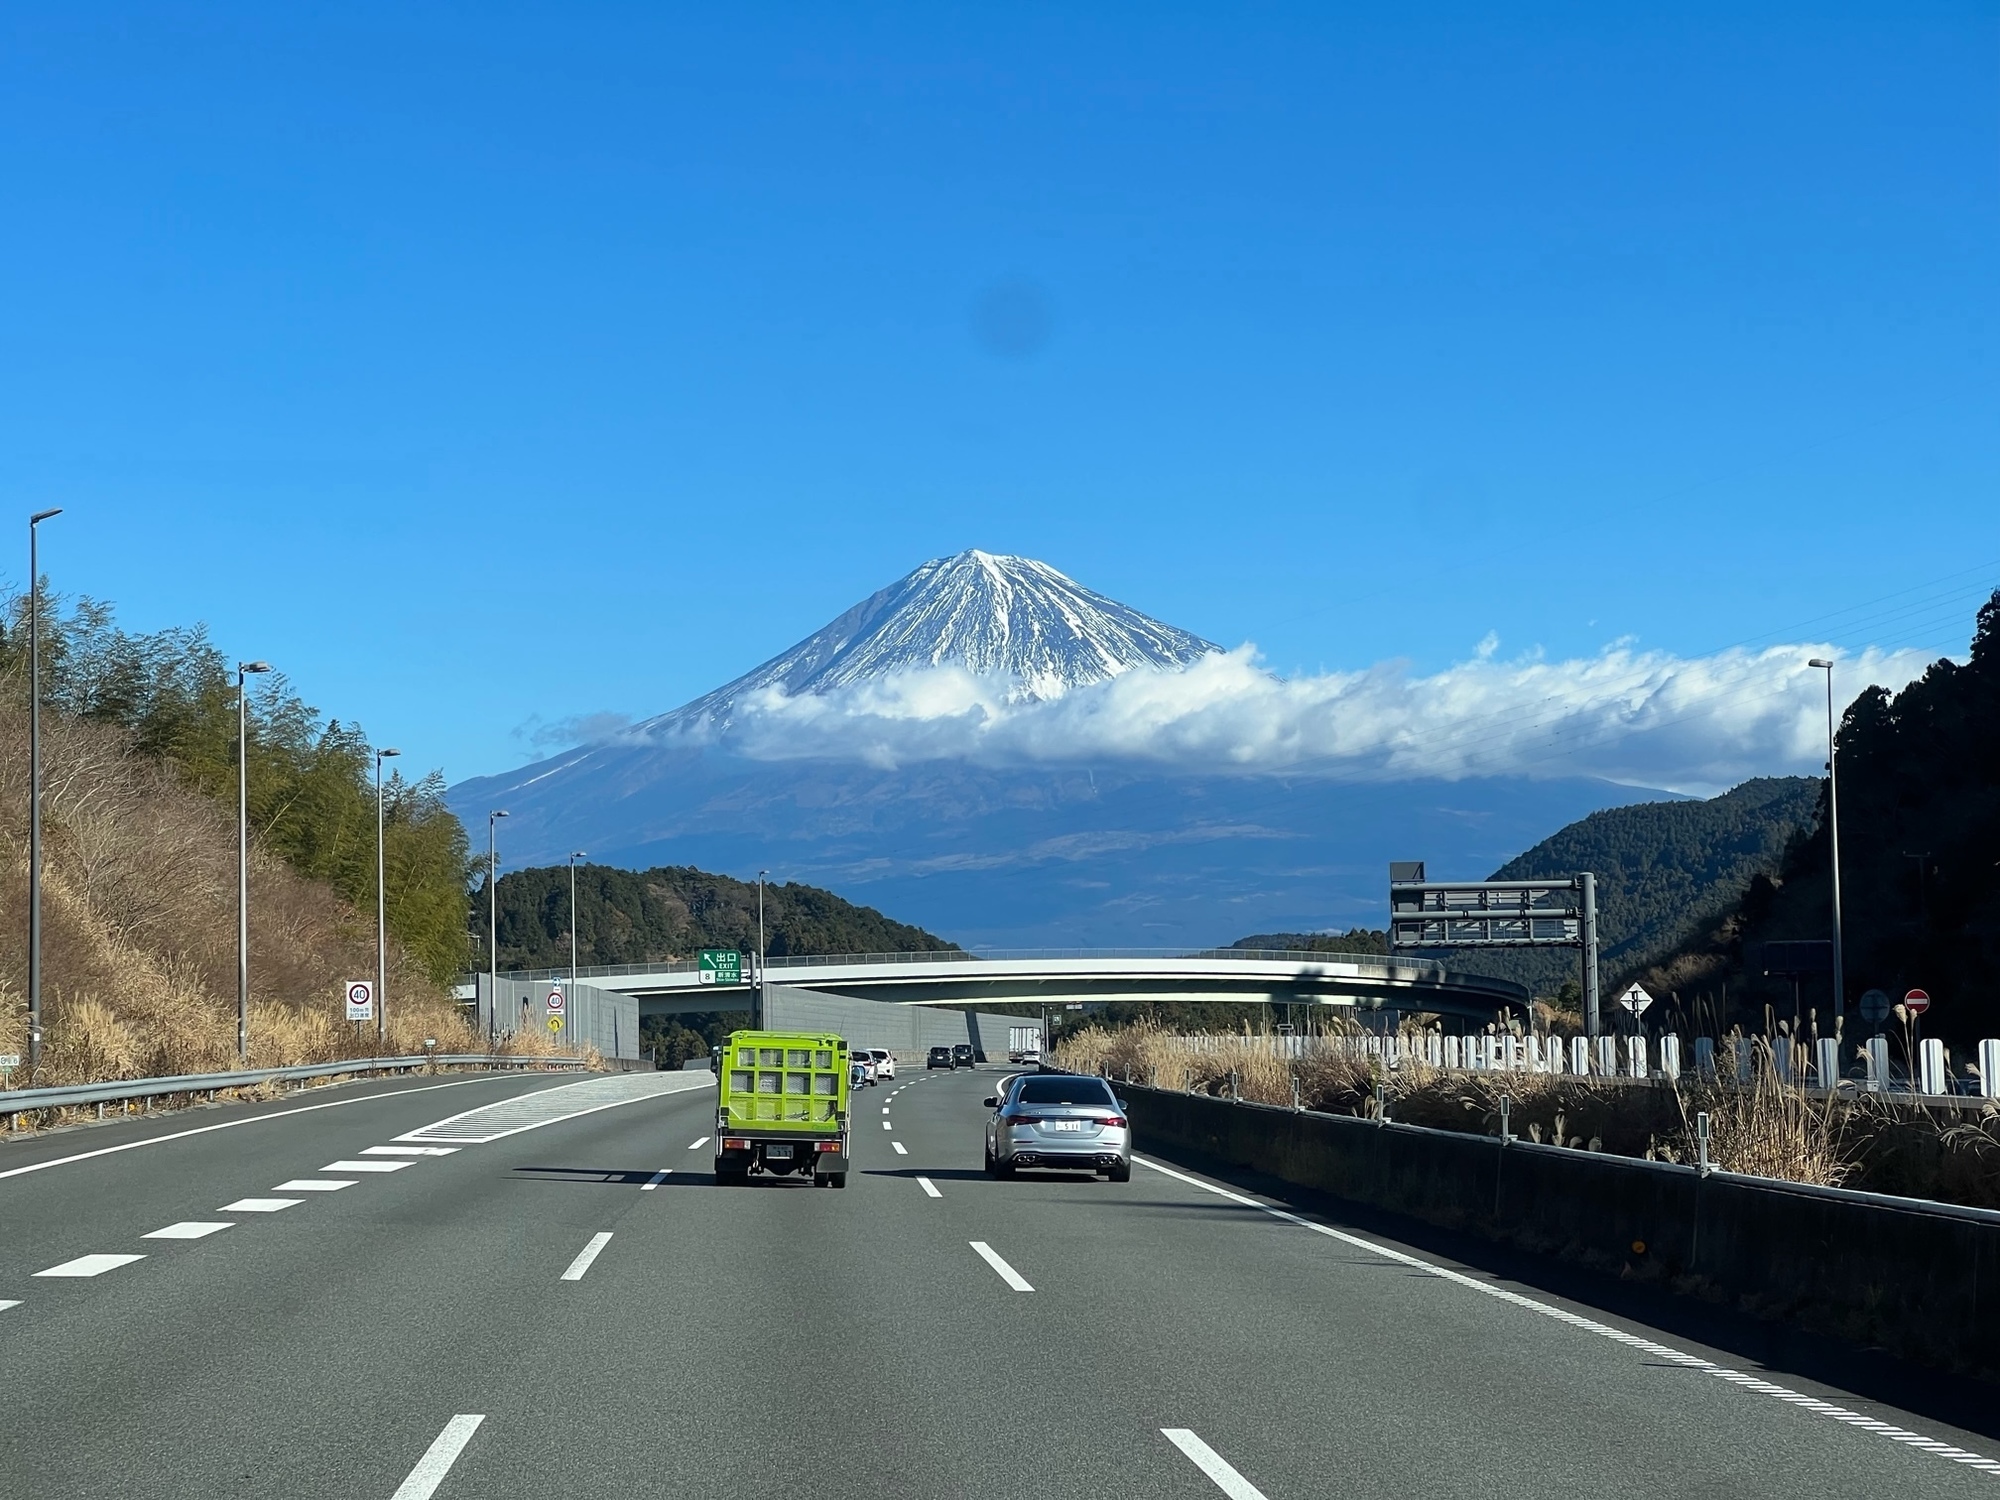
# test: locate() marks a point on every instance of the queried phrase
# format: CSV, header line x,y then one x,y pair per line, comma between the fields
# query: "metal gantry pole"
x,y
35,790
1833,830
493,923
243,669
757,1019
1593,1019
574,857
381,913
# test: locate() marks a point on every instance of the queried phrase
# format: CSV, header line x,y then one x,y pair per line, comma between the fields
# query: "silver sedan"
x,y
1068,1121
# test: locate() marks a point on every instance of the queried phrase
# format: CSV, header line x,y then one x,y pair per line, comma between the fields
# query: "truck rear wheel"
x,y
731,1176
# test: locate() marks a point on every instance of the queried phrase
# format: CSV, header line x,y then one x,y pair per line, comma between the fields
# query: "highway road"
x,y
550,1297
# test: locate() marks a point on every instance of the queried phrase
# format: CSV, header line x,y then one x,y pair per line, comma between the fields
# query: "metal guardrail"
x,y
22,1101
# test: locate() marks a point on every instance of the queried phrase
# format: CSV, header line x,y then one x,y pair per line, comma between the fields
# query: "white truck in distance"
x,y
1023,1040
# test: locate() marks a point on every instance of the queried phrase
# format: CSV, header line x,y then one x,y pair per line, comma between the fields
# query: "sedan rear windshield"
x,y
1064,1091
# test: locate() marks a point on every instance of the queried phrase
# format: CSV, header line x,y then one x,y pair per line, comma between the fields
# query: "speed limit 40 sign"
x,y
360,999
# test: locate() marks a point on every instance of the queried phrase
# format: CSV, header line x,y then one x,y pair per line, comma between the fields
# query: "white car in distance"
x,y
884,1060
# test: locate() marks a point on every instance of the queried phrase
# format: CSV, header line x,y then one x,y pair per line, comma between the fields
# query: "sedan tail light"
x,y
1017,1120
1109,1120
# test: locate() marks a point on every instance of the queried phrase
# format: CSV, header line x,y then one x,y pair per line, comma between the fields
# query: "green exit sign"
x,y
720,966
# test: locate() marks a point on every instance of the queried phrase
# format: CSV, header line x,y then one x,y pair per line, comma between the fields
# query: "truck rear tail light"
x,y
827,1146
731,1143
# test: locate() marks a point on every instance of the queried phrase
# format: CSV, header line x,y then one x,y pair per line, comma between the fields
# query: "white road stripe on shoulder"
x,y
1213,1464
589,1253
366,1166
281,1114
314,1185
899,1148
655,1180
568,1101
259,1205
438,1459
409,1150
90,1265
6,1303
189,1229
1008,1274
1602,1330
929,1187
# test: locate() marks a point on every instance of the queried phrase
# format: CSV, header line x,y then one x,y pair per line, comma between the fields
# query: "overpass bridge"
x,y
1348,982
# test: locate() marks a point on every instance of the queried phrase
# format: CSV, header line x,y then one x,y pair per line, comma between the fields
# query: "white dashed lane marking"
x,y
699,1144
409,1150
930,1188
259,1205
438,1459
90,1265
189,1229
589,1253
655,1180
899,1148
1007,1273
366,1166
1213,1464
314,1185
887,1126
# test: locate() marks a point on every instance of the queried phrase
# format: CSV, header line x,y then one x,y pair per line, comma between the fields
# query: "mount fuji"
x,y
844,762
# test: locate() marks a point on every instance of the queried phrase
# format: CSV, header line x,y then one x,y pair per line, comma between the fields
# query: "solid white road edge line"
x,y
899,1148
438,1459
589,1253
1747,1382
655,1180
1008,1274
189,1229
90,1265
283,1114
929,1187
1213,1464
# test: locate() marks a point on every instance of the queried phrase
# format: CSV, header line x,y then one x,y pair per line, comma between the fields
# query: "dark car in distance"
x,y
940,1057
962,1055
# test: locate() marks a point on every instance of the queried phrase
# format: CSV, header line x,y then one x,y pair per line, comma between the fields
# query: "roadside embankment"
x,y
1919,1279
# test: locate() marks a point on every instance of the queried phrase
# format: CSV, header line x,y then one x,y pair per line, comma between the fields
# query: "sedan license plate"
x,y
1065,1124
778,1153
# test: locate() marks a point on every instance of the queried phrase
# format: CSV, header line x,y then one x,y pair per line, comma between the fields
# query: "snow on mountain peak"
x,y
987,613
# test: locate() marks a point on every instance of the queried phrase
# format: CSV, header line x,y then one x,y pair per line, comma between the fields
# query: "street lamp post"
x,y
1833,829
381,914
35,790
492,926
758,1020
243,670
574,857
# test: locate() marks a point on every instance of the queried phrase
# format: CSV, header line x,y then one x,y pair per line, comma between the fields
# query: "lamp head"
x,y
385,754
42,515
1821,662
498,813
253,666
580,854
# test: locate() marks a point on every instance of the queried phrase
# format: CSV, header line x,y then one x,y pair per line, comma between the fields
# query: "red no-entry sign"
x,y
1917,1002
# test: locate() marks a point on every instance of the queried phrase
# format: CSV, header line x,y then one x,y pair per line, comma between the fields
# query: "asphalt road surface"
x,y
552,1298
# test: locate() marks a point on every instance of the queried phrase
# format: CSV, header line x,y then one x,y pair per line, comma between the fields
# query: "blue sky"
x,y
487,364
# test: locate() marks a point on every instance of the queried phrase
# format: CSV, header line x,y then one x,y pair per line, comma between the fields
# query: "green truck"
x,y
781,1107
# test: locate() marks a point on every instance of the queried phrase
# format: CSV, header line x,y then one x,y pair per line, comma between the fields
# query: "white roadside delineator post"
x,y
1934,1066
1826,1065
1704,1058
1989,1070
1579,1056
1670,1058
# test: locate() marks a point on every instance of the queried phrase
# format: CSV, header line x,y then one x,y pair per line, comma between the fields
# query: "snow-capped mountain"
x,y
994,616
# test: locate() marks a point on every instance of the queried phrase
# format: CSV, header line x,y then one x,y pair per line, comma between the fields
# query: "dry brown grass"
x,y
1767,1128
139,937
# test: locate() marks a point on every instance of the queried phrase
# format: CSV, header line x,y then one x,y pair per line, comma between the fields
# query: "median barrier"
x,y
1919,1279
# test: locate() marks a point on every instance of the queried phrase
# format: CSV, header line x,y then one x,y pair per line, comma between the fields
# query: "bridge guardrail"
x,y
14,1102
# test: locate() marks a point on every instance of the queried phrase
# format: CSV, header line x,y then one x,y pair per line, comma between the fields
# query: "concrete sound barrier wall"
x,y
1918,1278
877,1023
603,1019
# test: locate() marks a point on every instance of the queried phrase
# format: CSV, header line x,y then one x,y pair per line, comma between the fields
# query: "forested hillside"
x,y
1354,940
1666,871
1919,861
139,888
629,916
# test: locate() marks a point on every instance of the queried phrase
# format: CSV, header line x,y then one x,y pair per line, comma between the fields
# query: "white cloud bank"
x,y
1643,717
